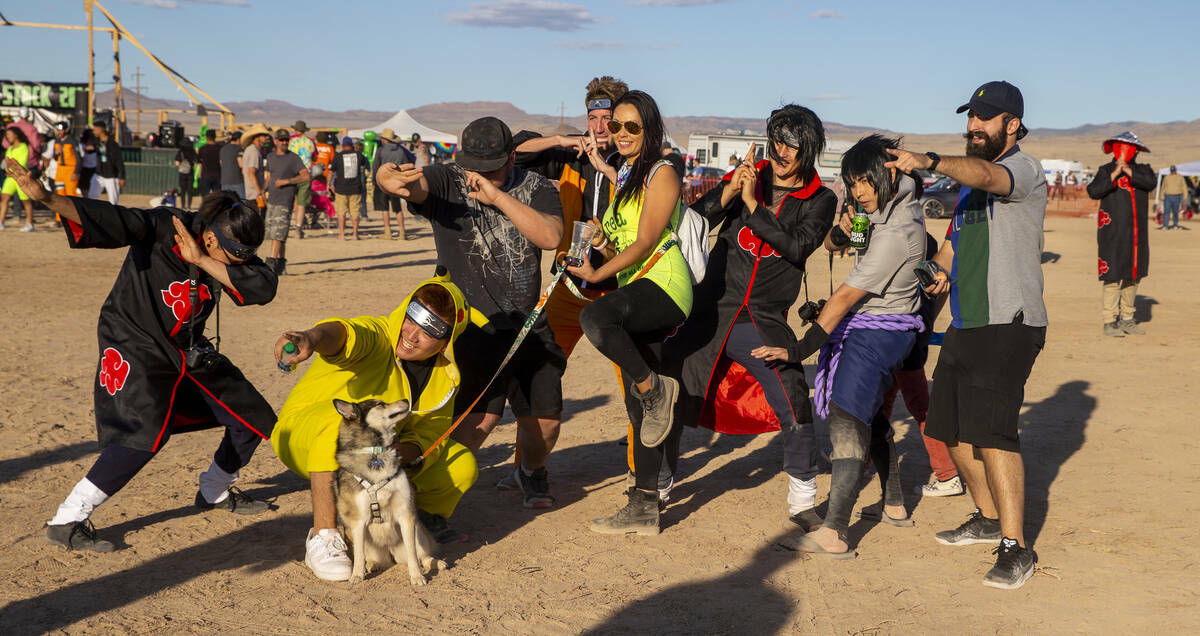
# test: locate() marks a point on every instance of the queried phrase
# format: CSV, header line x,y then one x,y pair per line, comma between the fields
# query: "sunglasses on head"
x,y
631,127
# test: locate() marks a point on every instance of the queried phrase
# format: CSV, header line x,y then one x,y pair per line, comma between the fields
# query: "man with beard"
x,y
771,215
993,256
1123,187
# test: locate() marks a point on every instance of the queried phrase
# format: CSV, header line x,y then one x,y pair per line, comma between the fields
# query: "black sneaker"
x,y
1014,565
80,535
237,501
437,526
805,521
976,529
536,487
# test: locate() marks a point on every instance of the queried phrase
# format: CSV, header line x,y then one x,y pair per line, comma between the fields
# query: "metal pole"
x,y
138,77
87,6
118,106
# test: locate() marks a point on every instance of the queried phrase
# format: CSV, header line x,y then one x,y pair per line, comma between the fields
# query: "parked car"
x,y
939,199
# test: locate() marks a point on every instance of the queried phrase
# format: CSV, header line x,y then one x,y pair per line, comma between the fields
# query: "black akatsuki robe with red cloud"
x,y
144,392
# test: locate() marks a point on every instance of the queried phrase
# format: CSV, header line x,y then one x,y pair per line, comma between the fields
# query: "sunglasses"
x,y
631,127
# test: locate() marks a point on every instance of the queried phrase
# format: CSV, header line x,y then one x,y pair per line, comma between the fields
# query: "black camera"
x,y
204,357
810,310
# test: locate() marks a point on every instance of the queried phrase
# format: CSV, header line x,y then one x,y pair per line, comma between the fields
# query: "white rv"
x,y
713,150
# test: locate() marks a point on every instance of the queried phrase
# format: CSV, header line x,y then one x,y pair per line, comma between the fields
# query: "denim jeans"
x,y
1171,210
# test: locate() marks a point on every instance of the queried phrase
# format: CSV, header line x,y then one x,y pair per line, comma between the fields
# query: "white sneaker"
x,y
935,488
325,555
28,227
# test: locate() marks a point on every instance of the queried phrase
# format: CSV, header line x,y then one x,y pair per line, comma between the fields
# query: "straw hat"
x,y
388,134
252,132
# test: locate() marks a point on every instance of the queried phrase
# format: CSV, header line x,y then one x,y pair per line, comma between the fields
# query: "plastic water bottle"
x,y
289,349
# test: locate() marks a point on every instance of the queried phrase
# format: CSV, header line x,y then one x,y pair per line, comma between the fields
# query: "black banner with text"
x,y
48,95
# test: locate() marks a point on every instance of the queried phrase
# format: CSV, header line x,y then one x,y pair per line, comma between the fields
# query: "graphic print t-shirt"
x,y
497,268
347,172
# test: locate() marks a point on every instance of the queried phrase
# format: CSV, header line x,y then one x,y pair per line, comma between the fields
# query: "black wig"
x,y
866,159
236,219
799,128
652,137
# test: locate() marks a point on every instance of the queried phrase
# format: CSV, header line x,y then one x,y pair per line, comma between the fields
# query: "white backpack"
x,y
692,238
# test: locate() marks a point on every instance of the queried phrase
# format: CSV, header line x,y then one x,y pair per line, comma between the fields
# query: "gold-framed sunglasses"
x,y
631,127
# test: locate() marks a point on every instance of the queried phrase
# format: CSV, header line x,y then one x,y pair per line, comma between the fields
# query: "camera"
x,y
203,357
927,273
809,311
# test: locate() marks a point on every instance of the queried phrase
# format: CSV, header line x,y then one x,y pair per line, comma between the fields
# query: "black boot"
x,y
640,515
279,265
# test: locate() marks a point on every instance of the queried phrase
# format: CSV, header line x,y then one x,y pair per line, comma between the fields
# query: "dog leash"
x,y
654,258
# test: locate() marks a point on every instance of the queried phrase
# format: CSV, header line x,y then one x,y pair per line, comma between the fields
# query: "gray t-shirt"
x,y
285,166
231,174
252,161
897,246
998,250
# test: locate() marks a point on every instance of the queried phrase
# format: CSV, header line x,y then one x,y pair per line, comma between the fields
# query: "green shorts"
x,y
303,195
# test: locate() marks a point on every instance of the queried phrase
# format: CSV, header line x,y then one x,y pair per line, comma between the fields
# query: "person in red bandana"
x,y
1122,186
158,375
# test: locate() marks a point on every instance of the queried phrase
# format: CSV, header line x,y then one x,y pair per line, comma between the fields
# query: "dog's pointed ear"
x,y
346,409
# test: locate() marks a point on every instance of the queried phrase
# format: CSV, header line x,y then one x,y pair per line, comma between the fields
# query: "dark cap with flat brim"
x,y
994,98
485,145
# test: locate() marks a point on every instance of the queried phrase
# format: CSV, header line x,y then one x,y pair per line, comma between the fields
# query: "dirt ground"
x,y
1110,489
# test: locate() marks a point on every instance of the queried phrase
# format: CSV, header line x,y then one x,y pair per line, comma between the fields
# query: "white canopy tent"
x,y
1190,169
404,126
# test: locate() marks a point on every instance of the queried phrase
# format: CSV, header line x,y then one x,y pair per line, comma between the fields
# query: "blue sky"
x,y
904,66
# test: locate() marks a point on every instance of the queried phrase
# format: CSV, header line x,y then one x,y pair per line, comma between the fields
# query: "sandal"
x,y
803,544
877,514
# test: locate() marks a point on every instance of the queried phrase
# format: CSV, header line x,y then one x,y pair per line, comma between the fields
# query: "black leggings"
x,y
185,189
624,322
628,326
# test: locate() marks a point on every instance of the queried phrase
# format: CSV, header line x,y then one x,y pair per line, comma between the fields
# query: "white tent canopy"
x,y
1190,169
404,126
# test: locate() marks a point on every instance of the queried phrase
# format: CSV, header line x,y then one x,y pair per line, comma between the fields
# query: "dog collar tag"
x,y
375,462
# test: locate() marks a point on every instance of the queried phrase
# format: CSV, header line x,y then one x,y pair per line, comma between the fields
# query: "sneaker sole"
x,y
966,541
539,503
326,578
671,390
1009,586
938,493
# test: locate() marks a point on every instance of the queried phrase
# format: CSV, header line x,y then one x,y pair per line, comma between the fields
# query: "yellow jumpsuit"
x,y
305,436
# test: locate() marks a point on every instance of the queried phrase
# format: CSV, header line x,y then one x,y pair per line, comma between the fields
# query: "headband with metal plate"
x,y
428,321
599,103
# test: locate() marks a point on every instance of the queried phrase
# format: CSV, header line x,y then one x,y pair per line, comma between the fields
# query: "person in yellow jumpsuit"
x,y
66,158
408,355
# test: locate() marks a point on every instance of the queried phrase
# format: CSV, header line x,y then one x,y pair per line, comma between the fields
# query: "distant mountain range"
x,y
1172,142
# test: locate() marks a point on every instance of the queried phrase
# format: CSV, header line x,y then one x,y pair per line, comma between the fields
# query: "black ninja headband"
x,y
235,248
429,322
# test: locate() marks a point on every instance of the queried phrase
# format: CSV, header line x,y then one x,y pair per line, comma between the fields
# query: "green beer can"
x,y
860,230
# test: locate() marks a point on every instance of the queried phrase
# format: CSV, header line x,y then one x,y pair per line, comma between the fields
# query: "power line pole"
x,y
138,76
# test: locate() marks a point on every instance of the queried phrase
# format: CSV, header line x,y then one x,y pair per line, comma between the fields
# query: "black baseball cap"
x,y
282,134
486,145
994,98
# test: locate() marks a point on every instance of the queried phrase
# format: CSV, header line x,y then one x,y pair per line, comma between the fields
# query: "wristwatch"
x,y
936,159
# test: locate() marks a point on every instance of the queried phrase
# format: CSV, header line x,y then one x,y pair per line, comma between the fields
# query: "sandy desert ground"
x,y
1109,441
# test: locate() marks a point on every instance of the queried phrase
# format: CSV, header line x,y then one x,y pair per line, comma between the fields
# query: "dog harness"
x,y
373,488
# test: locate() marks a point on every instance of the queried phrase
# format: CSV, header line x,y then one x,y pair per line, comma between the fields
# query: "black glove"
x,y
813,339
838,237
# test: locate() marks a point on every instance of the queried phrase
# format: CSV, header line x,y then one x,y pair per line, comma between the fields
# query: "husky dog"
x,y
374,497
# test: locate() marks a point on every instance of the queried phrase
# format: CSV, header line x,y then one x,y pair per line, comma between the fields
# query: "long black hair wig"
x,y
800,128
866,159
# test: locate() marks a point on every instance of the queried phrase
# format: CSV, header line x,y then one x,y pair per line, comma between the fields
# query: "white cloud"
x,y
598,45
672,3
533,14
174,4
157,4
825,14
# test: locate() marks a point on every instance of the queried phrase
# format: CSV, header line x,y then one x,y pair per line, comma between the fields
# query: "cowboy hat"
x,y
252,132
300,126
388,134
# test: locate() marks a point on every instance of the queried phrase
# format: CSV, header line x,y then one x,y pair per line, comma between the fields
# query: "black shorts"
x,y
381,201
979,384
531,383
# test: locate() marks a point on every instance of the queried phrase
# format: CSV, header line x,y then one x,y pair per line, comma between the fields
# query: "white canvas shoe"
x,y
325,555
